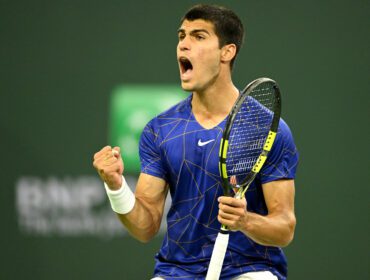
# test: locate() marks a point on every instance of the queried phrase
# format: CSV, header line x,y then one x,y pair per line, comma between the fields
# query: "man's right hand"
x,y
109,165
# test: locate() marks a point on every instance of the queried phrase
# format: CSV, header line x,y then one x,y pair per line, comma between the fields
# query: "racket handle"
x,y
218,255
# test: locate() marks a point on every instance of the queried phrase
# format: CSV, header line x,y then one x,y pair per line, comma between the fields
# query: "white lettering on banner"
x,y
66,207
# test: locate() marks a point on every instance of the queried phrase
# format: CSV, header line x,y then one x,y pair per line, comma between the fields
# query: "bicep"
x,y
152,192
279,197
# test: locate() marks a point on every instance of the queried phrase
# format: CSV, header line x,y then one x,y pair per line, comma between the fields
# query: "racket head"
x,y
249,134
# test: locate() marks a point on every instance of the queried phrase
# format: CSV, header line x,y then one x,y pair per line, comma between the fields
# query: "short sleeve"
x,y
149,152
282,161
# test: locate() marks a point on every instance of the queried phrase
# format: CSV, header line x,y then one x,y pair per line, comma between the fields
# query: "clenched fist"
x,y
109,164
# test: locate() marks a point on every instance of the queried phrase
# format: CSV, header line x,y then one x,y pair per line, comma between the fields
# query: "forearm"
x,y
271,230
141,213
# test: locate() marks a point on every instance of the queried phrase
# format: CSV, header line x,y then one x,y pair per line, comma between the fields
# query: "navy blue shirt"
x,y
176,148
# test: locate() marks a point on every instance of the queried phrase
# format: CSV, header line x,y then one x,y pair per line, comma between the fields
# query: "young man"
x,y
179,153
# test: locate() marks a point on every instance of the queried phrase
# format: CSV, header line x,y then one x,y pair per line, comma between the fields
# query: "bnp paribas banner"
x,y
73,206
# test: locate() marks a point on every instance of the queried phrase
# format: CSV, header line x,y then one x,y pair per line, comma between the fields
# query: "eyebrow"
x,y
181,30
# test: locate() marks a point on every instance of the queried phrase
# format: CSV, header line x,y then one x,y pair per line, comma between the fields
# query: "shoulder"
x,y
284,127
283,158
176,113
284,143
284,132
164,122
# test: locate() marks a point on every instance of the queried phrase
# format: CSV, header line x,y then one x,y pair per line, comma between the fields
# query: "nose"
x,y
184,44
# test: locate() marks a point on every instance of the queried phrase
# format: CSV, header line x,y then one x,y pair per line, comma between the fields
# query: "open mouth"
x,y
185,65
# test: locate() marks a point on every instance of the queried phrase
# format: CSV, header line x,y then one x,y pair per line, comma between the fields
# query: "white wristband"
x,y
122,200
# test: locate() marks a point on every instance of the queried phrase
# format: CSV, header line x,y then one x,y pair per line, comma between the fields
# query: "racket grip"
x,y
218,255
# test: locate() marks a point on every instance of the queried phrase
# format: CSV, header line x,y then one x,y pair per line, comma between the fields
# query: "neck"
x,y
212,105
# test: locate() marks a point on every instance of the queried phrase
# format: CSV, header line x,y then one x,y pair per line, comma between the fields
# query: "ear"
x,y
228,52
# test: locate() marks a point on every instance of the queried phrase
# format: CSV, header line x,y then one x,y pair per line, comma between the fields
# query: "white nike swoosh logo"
x,y
200,143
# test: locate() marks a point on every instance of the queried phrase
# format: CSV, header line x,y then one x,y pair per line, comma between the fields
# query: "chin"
x,y
187,87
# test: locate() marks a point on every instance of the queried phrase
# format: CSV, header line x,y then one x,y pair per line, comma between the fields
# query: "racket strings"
x,y
249,131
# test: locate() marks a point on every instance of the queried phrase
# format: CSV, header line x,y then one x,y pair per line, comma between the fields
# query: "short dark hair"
x,y
228,26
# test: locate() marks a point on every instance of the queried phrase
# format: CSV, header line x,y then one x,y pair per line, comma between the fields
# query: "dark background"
x,y
60,60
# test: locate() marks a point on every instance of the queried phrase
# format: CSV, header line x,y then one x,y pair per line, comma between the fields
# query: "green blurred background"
x,y
60,62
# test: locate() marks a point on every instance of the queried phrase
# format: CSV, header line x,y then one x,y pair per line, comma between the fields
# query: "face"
x,y
198,55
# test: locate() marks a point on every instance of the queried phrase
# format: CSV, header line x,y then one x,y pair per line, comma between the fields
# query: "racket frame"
x,y
221,243
224,145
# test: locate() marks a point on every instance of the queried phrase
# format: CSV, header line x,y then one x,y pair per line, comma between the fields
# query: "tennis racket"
x,y
248,137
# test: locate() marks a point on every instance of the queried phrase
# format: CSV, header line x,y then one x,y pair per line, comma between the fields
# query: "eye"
x,y
181,36
199,37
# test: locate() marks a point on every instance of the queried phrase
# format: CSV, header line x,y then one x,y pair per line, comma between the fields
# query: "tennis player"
x,y
179,154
